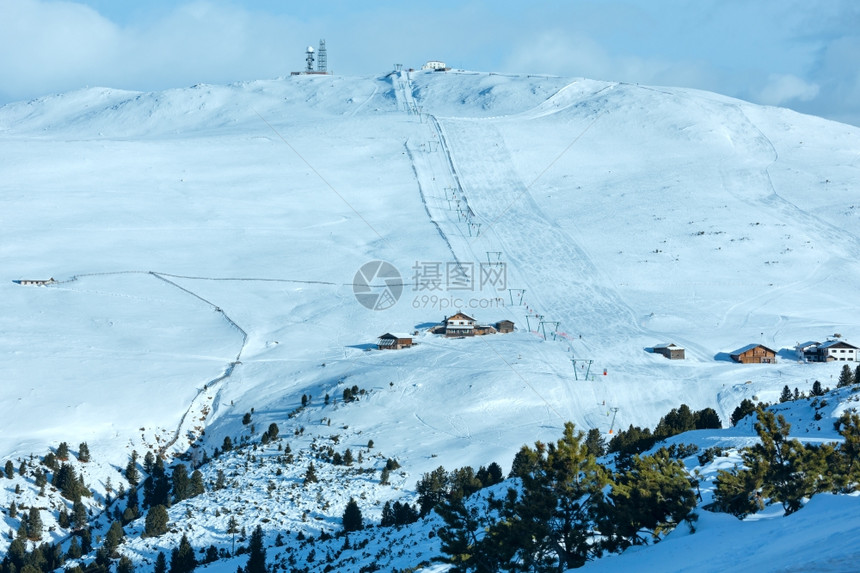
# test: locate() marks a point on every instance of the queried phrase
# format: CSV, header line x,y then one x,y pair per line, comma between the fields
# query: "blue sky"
x,y
802,54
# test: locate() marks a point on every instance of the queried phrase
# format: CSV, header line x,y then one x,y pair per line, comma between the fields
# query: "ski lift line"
x,y
539,175
526,382
323,179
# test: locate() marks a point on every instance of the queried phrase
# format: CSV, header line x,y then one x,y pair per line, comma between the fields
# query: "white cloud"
x,y
577,54
43,46
59,46
783,89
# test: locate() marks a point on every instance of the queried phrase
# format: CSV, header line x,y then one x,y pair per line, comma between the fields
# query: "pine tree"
x,y
125,565
490,475
676,421
500,549
197,486
857,374
148,463
86,541
387,515
848,473
66,480
462,482
181,483
256,553
594,443
13,509
311,474
113,537
50,461
559,506
156,488
34,525
160,563
227,445
347,457
404,513
79,515
63,451
352,518
432,489
182,558
211,554
817,390
786,395
156,521
131,500
83,453
131,473
707,419
74,551
745,408
220,480
9,469
778,468
846,377
654,494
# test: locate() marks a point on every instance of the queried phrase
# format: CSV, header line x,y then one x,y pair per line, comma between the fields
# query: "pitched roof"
x,y
749,347
460,316
836,344
669,345
396,335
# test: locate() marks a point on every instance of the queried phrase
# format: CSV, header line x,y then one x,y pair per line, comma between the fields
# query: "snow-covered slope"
x,y
206,240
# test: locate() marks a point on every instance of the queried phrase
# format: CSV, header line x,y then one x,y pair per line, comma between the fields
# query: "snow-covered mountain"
x,y
205,244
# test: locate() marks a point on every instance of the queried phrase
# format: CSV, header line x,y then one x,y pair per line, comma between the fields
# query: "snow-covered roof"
x,y
669,345
836,343
749,347
396,335
460,316
807,344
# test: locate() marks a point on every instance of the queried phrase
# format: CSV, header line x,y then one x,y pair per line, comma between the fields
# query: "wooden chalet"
x,y
670,350
504,326
754,354
459,325
394,341
830,351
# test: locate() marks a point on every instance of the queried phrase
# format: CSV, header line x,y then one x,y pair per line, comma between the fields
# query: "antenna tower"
x,y
322,58
309,59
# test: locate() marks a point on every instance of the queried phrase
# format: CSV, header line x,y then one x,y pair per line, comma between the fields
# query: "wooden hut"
x,y
394,341
754,354
670,350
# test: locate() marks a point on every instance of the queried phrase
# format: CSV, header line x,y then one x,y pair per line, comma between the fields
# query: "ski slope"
x,y
206,241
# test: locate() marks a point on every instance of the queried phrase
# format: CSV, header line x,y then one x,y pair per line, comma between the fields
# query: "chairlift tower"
x,y
585,362
322,58
614,413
